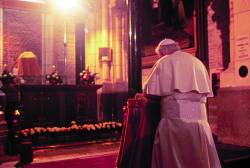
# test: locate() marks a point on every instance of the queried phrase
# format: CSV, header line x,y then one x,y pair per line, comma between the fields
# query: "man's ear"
x,y
164,51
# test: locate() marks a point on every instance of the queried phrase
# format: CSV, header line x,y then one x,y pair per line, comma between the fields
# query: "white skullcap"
x,y
166,42
169,45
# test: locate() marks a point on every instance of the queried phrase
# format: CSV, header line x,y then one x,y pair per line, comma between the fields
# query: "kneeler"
x,y
141,119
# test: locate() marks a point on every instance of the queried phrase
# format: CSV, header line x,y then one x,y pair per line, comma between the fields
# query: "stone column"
x,y
118,67
105,23
119,12
47,44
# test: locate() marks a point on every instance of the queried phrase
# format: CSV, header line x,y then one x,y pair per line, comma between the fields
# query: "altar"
x,y
53,105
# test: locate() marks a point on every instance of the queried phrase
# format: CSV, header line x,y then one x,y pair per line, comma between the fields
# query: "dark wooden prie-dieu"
x,y
142,118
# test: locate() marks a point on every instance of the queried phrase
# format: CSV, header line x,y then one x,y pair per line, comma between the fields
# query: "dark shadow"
x,y
222,18
168,19
233,156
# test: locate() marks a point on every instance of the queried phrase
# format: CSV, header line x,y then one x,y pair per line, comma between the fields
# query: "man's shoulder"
x,y
179,56
191,57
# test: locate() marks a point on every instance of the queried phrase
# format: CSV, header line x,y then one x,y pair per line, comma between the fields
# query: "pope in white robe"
x,y
183,138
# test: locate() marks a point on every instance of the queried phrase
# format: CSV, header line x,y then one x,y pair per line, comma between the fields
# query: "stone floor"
x,y
231,156
67,151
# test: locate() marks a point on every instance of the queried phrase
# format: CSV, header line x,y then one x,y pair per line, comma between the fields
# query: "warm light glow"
x,y
67,5
27,54
34,1
86,30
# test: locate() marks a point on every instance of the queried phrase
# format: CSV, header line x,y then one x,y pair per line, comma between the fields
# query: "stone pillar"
x,y
65,48
70,52
104,23
47,44
118,67
119,12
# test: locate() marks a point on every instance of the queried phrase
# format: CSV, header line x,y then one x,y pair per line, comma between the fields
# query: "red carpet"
x,y
104,161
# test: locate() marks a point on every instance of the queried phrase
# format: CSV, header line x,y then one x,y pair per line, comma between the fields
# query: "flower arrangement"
x,y
54,77
7,77
87,77
73,128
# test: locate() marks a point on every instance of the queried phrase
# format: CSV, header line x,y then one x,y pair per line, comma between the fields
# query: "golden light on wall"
x,y
34,1
67,5
96,40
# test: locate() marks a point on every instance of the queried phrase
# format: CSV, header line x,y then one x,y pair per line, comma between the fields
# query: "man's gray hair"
x,y
166,47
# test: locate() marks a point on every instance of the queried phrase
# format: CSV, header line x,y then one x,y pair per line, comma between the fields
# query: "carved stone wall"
x,y
233,96
22,31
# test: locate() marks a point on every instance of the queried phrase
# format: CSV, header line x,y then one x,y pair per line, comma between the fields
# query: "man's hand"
x,y
141,98
139,95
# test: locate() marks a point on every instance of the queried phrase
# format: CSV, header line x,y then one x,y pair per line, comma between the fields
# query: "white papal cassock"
x,y
183,138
